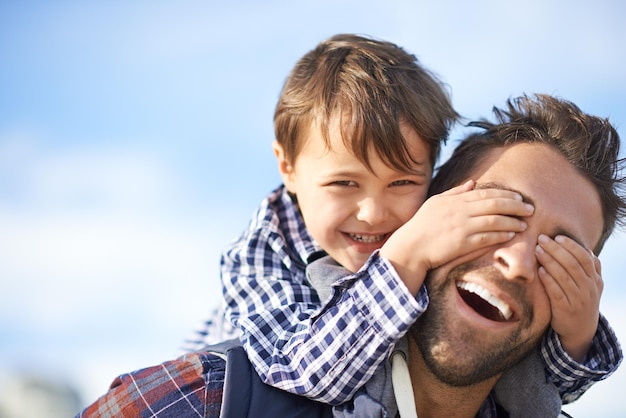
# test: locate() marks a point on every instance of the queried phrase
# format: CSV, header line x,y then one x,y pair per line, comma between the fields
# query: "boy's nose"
x,y
371,210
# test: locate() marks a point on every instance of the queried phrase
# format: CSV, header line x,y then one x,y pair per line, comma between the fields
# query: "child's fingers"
x,y
480,202
486,239
494,223
485,231
471,194
596,263
553,288
496,201
552,269
485,194
465,187
558,261
584,257
570,264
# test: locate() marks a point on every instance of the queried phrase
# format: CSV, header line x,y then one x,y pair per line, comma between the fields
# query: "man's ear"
x,y
285,169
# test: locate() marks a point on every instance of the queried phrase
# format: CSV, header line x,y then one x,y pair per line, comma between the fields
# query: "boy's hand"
x,y
571,276
453,224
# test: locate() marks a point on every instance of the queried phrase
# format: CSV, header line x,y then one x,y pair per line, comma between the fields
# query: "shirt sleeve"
x,y
571,378
212,330
325,353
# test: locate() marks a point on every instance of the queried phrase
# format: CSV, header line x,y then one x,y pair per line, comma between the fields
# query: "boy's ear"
x,y
285,169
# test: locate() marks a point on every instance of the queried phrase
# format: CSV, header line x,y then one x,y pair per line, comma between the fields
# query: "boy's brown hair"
x,y
589,143
373,86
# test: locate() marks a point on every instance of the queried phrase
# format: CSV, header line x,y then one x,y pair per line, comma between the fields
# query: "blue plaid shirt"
x,y
327,350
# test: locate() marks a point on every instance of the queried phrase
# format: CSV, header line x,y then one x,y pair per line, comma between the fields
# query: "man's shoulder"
x,y
158,388
217,381
244,394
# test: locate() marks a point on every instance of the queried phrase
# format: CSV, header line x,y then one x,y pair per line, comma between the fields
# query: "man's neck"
x,y
434,399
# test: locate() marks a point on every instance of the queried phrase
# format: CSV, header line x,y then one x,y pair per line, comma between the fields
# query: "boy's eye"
x,y
343,183
402,183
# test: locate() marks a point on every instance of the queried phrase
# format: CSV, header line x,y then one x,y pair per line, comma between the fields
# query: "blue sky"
x,y
135,142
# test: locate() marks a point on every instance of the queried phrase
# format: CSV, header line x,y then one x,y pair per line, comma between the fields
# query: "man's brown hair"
x,y
589,143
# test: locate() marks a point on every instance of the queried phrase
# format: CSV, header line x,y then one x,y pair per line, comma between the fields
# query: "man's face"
x,y
464,336
348,209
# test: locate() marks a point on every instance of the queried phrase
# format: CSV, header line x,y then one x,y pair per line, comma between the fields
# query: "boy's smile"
x,y
349,209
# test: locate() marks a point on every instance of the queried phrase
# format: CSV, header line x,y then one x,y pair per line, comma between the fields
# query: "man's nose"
x,y
516,259
372,210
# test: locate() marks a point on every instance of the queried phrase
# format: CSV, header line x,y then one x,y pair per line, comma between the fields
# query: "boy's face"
x,y
349,210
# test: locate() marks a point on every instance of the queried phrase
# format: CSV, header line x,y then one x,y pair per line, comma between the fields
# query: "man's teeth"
x,y
368,239
503,307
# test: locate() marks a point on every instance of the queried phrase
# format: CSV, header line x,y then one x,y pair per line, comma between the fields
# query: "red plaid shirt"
x,y
190,386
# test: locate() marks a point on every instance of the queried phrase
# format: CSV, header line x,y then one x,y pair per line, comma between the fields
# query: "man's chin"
x,y
458,353
466,358
456,361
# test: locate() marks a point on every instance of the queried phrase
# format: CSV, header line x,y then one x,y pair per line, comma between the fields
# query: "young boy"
x,y
358,130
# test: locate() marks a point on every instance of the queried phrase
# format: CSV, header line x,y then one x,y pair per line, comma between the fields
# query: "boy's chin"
x,y
353,264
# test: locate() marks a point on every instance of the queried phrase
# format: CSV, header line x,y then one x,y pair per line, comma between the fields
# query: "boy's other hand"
x,y
571,275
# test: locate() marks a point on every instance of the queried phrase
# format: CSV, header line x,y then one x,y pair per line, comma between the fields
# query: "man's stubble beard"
x,y
457,355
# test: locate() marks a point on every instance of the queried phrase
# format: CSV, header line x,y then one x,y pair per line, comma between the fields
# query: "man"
x,y
487,313
565,163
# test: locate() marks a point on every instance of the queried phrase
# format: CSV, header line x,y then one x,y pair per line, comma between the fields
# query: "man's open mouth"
x,y
484,303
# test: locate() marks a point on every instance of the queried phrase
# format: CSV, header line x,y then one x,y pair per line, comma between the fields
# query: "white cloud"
x,y
86,229
71,177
